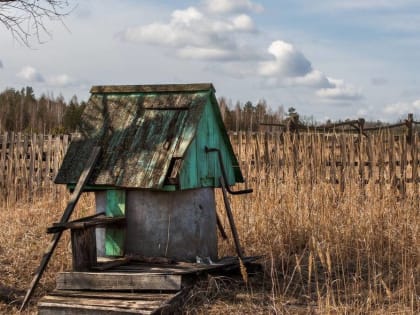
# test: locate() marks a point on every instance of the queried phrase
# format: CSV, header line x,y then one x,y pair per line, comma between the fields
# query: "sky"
x,y
329,59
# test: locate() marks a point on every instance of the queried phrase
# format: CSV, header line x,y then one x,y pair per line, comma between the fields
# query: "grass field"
x,y
327,250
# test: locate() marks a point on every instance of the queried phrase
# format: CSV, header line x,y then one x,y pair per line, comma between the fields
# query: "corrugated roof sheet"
x,y
139,133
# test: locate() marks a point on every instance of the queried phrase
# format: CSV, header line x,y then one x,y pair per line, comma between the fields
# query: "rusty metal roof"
x,y
140,129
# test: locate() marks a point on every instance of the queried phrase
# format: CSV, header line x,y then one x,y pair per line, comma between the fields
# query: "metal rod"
x,y
223,170
220,226
231,221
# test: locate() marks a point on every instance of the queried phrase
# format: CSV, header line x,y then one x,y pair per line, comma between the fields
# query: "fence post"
x,y
409,124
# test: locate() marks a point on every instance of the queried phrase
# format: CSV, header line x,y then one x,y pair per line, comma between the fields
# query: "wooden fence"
x,y
29,163
345,160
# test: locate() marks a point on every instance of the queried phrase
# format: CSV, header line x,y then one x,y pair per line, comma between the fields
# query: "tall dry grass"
x,y
331,246
328,248
23,240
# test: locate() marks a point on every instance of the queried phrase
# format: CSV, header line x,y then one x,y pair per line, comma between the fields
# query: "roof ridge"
x,y
152,88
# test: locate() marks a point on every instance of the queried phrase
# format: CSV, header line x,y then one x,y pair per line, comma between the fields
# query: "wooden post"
x,y
369,151
391,159
361,124
83,242
381,163
409,124
10,170
343,163
332,160
403,166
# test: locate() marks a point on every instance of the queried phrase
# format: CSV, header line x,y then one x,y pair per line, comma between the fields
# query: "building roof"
x,y
157,88
141,129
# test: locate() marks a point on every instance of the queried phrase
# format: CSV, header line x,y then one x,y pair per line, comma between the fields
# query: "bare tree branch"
x,y
26,19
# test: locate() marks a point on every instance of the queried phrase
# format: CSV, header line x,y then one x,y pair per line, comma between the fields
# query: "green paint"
x,y
115,238
201,169
141,130
169,188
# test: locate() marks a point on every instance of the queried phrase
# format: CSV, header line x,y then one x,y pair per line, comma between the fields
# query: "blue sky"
x,y
329,59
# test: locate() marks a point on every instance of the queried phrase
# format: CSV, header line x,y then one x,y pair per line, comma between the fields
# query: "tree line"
x,y
248,116
21,111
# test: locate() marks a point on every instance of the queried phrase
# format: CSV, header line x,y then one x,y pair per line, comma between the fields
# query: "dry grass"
x,y
327,251
22,242
331,252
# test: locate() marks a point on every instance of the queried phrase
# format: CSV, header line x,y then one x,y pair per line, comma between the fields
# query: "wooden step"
x,y
100,302
118,281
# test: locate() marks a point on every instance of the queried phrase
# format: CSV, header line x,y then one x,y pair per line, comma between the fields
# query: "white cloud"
x,y
229,6
402,108
187,17
314,78
30,74
1,64
288,61
290,67
195,35
243,22
207,53
340,91
220,31
60,80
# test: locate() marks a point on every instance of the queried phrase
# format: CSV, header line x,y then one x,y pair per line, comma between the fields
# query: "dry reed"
x,y
336,218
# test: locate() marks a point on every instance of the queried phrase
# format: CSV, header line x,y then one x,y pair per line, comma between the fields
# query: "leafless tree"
x,y
26,19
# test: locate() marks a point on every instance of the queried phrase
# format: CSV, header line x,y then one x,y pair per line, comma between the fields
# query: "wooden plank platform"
x,y
128,287
98,302
118,281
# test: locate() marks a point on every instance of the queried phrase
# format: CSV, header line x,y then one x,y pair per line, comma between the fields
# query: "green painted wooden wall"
x,y
201,169
115,237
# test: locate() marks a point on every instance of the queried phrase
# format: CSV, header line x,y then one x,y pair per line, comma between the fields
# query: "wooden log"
x,y
82,224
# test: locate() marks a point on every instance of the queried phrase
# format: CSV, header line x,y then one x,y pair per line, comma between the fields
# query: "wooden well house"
x,y
154,168
163,150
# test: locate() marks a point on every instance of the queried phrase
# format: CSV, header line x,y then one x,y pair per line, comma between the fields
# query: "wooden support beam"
x,y
84,177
